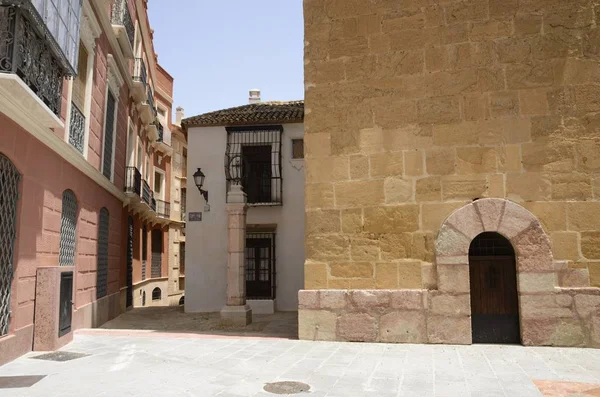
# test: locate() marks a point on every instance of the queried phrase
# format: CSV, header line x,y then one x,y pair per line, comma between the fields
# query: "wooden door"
x,y
494,299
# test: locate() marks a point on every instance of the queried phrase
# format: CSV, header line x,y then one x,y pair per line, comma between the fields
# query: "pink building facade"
x,y
77,158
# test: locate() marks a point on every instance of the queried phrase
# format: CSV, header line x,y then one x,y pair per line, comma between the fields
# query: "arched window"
x,y
102,270
182,301
9,194
68,225
156,294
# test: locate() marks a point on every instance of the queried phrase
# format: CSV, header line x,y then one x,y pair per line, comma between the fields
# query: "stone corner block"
x,y
316,325
308,299
449,330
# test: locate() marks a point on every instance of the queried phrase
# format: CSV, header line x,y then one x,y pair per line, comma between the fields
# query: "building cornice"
x,y
90,29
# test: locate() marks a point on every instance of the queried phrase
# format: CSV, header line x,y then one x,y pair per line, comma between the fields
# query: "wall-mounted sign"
x,y
195,217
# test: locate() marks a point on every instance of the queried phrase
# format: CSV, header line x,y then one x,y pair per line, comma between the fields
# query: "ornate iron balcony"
x,y
133,181
139,72
151,100
28,50
77,128
161,131
163,209
121,16
146,194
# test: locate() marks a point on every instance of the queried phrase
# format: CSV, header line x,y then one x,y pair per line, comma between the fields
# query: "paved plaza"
x,y
144,363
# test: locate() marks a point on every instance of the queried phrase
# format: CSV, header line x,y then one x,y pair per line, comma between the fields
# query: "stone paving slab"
x,y
142,364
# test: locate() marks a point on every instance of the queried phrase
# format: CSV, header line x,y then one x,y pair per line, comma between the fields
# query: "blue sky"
x,y
218,50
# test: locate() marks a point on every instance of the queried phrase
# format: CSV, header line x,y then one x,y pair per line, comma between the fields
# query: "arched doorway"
x,y
493,285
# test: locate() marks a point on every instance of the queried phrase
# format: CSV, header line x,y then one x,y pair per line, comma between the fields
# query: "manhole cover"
x,y
60,356
286,387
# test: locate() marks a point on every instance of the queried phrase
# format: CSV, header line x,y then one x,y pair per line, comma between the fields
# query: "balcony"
x,y
123,26
163,142
133,181
147,110
140,80
163,209
146,194
32,67
77,128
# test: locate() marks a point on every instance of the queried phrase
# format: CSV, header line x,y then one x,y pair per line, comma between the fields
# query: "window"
x,y
62,19
68,225
253,159
260,265
80,81
130,145
9,195
183,203
159,188
182,259
79,111
109,130
156,294
297,148
157,248
147,172
102,268
140,155
144,251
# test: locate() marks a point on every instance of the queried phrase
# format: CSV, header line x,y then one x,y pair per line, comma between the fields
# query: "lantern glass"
x,y
199,178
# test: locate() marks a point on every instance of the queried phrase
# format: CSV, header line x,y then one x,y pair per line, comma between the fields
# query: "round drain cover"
x,y
286,387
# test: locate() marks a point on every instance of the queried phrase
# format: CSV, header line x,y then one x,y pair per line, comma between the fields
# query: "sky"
x,y
217,50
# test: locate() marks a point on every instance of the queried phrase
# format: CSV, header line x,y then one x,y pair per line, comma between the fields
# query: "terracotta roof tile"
x,y
256,113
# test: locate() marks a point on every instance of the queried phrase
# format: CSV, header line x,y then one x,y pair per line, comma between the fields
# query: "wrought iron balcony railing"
x,y
133,181
77,128
153,203
146,193
151,100
121,16
161,133
139,72
28,50
163,209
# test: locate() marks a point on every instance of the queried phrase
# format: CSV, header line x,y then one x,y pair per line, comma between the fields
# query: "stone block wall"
x,y
416,108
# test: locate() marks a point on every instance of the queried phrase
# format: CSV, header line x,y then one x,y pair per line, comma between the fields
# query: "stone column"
x,y
236,312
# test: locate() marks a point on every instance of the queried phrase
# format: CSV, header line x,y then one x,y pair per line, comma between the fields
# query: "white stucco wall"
x,y
206,241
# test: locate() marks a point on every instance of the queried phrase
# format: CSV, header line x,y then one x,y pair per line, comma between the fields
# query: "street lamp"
x,y
199,181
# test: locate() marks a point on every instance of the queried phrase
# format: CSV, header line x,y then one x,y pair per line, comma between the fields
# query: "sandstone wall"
x,y
417,107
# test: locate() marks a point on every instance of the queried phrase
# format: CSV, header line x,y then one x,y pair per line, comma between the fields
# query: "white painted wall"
x,y
206,241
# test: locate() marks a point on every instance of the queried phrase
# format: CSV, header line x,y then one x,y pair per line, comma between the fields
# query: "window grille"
x,y
297,148
130,229
260,265
156,294
68,225
77,128
102,271
9,194
108,135
253,159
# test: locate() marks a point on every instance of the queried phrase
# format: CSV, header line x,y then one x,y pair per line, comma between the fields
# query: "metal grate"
x,y
68,225
260,265
253,159
108,135
9,194
491,244
157,246
102,271
182,259
139,73
77,128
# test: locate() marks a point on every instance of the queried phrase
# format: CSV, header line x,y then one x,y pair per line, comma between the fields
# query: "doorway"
x,y
493,283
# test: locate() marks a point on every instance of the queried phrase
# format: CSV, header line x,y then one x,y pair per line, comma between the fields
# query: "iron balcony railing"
x,y
133,181
121,16
161,133
153,203
139,72
146,193
77,128
28,50
151,100
163,209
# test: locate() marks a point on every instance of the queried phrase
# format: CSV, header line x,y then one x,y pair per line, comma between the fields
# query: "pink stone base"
x,y
564,317
47,296
16,344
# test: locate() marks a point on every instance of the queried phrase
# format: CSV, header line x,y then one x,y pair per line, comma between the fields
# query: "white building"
x,y
261,147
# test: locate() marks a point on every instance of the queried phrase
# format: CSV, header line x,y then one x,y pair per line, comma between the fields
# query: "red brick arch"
x,y
535,263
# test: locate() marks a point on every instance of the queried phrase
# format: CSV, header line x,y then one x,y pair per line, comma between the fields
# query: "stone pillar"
x,y
236,312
